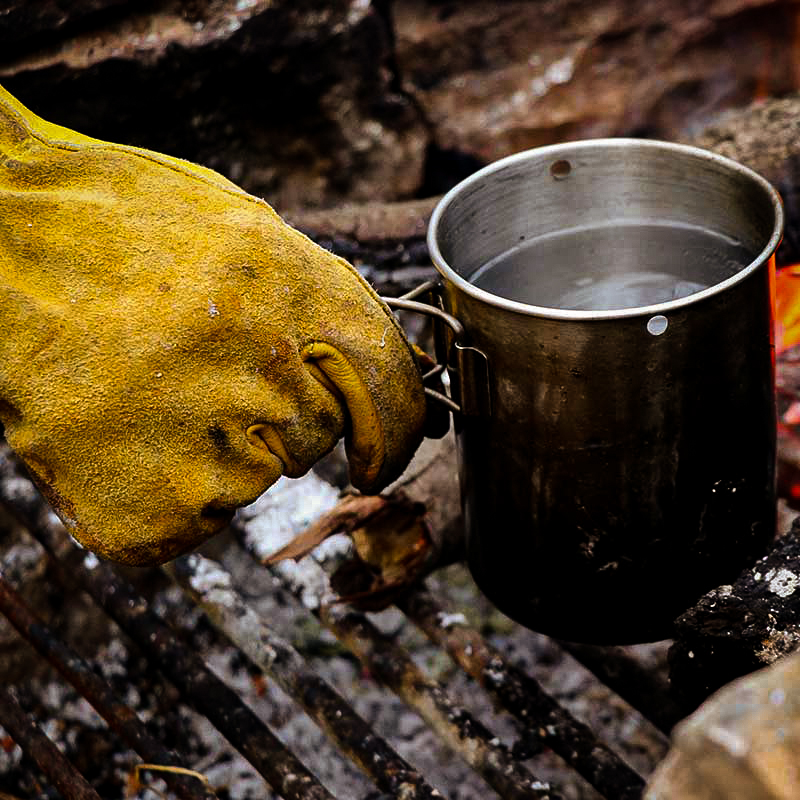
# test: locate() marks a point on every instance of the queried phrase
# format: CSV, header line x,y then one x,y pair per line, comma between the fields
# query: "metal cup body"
x,y
627,464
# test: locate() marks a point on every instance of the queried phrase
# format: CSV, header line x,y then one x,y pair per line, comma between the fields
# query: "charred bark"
x,y
736,629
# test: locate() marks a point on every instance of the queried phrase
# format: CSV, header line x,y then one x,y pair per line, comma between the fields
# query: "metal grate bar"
x,y
393,667
642,689
93,688
209,585
543,720
35,744
196,683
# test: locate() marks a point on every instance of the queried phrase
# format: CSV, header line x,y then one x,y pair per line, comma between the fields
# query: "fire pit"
x,y
401,720
221,678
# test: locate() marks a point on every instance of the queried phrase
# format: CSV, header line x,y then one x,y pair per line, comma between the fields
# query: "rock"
x,y
24,24
295,101
741,744
495,78
314,104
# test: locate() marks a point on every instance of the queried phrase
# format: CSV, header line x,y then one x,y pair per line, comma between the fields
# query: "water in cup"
x,y
613,266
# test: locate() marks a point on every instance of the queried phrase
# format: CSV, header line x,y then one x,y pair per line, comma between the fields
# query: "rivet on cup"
x,y
657,324
560,169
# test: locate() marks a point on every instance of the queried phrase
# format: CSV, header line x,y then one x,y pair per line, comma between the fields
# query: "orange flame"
x,y
787,308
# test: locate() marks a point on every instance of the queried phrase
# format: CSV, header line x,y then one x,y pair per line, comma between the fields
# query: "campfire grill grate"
x,y
539,720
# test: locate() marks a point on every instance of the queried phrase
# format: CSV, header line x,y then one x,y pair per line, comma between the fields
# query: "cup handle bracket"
x,y
467,367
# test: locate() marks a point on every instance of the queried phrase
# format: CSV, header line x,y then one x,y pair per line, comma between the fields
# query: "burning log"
x,y
734,630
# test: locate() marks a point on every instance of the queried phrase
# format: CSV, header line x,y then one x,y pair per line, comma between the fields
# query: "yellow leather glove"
x,y
169,346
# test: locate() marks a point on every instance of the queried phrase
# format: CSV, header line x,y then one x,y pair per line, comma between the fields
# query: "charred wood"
x,y
734,630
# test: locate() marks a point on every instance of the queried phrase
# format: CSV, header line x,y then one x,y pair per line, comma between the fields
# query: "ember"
x,y
787,352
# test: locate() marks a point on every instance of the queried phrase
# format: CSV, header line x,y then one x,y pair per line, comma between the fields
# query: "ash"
x,y
108,764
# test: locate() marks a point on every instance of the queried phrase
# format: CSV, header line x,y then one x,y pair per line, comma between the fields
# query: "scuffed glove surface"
x,y
169,347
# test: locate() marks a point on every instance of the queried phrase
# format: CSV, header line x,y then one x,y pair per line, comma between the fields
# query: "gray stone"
x,y
741,744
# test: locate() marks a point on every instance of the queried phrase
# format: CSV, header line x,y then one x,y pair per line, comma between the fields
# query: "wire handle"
x,y
467,364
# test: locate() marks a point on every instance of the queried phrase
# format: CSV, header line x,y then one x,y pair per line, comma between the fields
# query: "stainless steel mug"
x,y
614,366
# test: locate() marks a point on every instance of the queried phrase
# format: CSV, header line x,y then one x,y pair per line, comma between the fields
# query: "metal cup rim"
x,y
555,151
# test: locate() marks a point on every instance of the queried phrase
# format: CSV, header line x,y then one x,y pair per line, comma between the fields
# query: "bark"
x,y
736,629
399,537
294,101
